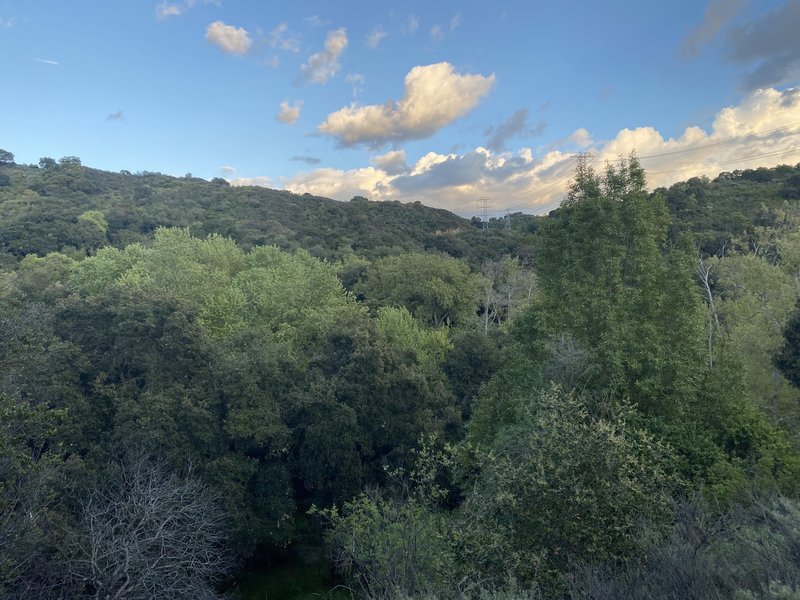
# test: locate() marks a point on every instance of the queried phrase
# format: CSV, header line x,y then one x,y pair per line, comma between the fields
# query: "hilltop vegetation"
x,y
64,206
199,382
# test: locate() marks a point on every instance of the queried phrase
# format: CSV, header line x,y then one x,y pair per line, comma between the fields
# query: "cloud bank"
x,y
762,130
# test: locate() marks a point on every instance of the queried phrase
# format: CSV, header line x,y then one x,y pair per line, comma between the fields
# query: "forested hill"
x,y
732,204
62,205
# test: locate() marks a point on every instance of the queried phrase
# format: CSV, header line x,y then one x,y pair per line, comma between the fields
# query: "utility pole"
x,y
483,211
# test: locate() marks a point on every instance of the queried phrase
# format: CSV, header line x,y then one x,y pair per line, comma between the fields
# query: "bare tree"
x,y
152,535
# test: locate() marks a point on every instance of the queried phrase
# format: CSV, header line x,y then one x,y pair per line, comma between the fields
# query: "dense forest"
x,y
205,389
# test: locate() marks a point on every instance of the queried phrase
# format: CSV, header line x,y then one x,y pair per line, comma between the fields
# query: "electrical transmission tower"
x,y
484,205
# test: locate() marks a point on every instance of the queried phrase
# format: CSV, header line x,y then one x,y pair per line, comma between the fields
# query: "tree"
x,y
6,157
437,289
151,534
609,279
560,485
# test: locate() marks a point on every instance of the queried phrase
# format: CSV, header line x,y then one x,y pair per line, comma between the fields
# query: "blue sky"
x,y
441,102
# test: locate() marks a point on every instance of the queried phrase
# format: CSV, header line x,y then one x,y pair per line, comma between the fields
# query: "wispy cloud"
x,y
375,37
309,160
437,34
455,22
7,23
410,26
116,116
289,113
717,14
321,66
230,39
227,170
314,21
47,62
356,80
281,38
515,126
171,8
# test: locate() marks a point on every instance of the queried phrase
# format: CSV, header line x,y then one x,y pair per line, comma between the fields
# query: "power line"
x,y
721,142
727,162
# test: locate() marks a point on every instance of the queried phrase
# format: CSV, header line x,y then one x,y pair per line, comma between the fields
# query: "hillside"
x,y
731,204
48,208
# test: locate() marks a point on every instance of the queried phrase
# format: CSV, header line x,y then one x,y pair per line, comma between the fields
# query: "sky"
x,y
442,102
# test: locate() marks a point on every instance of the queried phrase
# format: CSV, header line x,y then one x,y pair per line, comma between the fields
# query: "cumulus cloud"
x,y
769,45
230,39
375,37
515,126
717,14
116,116
289,113
321,66
434,96
281,38
309,160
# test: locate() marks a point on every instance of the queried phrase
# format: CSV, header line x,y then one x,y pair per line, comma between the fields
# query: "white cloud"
x,y
455,22
762,130
434,96
437,34
289,113
375,36
47,62
279,38
272,62
230,39
324,65
227,170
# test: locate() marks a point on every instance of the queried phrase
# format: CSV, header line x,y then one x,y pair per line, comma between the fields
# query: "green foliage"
x,y
560,485
604,279
391,549
406,334
746,554
437,289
